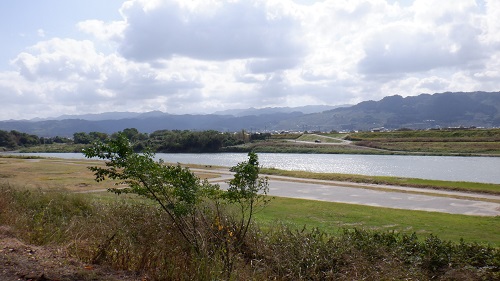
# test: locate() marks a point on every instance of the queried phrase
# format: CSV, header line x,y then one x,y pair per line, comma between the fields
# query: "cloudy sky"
x,y
200,56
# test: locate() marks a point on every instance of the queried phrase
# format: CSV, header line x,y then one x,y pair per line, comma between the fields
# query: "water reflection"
x,y
477,169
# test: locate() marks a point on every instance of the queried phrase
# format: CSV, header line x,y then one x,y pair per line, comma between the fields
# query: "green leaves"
x,y
246,186
175,188
193,205
248,190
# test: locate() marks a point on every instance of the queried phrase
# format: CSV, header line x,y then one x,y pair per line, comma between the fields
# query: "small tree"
x,y
182,195
176,189
248,191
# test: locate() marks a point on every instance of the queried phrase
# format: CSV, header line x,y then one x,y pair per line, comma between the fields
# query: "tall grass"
x,y
131,234
42,216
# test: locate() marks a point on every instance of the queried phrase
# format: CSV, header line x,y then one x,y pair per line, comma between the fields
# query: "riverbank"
x,y
451,142
471,187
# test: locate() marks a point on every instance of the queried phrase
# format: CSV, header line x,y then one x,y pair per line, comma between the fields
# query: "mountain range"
x,y
479,109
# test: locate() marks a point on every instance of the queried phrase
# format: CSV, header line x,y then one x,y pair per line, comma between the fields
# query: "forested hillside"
x,y
479,109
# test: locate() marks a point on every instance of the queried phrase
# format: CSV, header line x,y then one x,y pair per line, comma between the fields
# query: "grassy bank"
x,y
334,217
54,148
49,173
292,146
443,142
318,138
410,182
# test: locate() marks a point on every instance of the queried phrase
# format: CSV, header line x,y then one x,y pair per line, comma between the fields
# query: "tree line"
x,y
172,141
167,141
15,139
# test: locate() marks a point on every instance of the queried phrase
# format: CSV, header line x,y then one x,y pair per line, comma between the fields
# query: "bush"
x,y
195,208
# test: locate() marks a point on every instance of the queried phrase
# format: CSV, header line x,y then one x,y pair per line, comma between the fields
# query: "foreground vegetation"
x,y
134,235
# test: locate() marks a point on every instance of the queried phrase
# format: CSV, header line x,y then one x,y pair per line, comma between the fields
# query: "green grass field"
x,y
333,217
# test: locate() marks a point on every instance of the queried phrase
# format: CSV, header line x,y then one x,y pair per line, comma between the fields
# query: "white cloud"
x,y
436,36
69,74
59,59
203,56
103,31
492,22
231,30
447,11
408,48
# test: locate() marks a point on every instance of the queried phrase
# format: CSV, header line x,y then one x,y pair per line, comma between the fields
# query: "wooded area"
x,y
158,141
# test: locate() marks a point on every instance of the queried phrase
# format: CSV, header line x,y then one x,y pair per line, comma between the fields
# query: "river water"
x,y
471,169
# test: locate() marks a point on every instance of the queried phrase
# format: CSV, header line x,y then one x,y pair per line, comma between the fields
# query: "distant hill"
x,y
223,123
272,110
234,112
105,116
480,109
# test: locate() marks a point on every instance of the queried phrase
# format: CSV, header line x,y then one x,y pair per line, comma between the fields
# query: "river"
x,y
470,169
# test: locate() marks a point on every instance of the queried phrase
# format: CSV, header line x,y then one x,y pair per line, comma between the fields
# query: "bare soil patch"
x,y
19,261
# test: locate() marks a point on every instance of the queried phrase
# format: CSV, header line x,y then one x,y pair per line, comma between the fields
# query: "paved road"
x,y
381,196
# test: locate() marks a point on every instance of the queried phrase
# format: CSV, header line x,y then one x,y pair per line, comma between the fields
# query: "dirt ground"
x,y
19,261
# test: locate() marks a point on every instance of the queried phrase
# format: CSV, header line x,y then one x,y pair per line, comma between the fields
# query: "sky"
x,y
62,57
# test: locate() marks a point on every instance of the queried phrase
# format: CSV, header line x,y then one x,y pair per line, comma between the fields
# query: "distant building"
x,y
381,129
